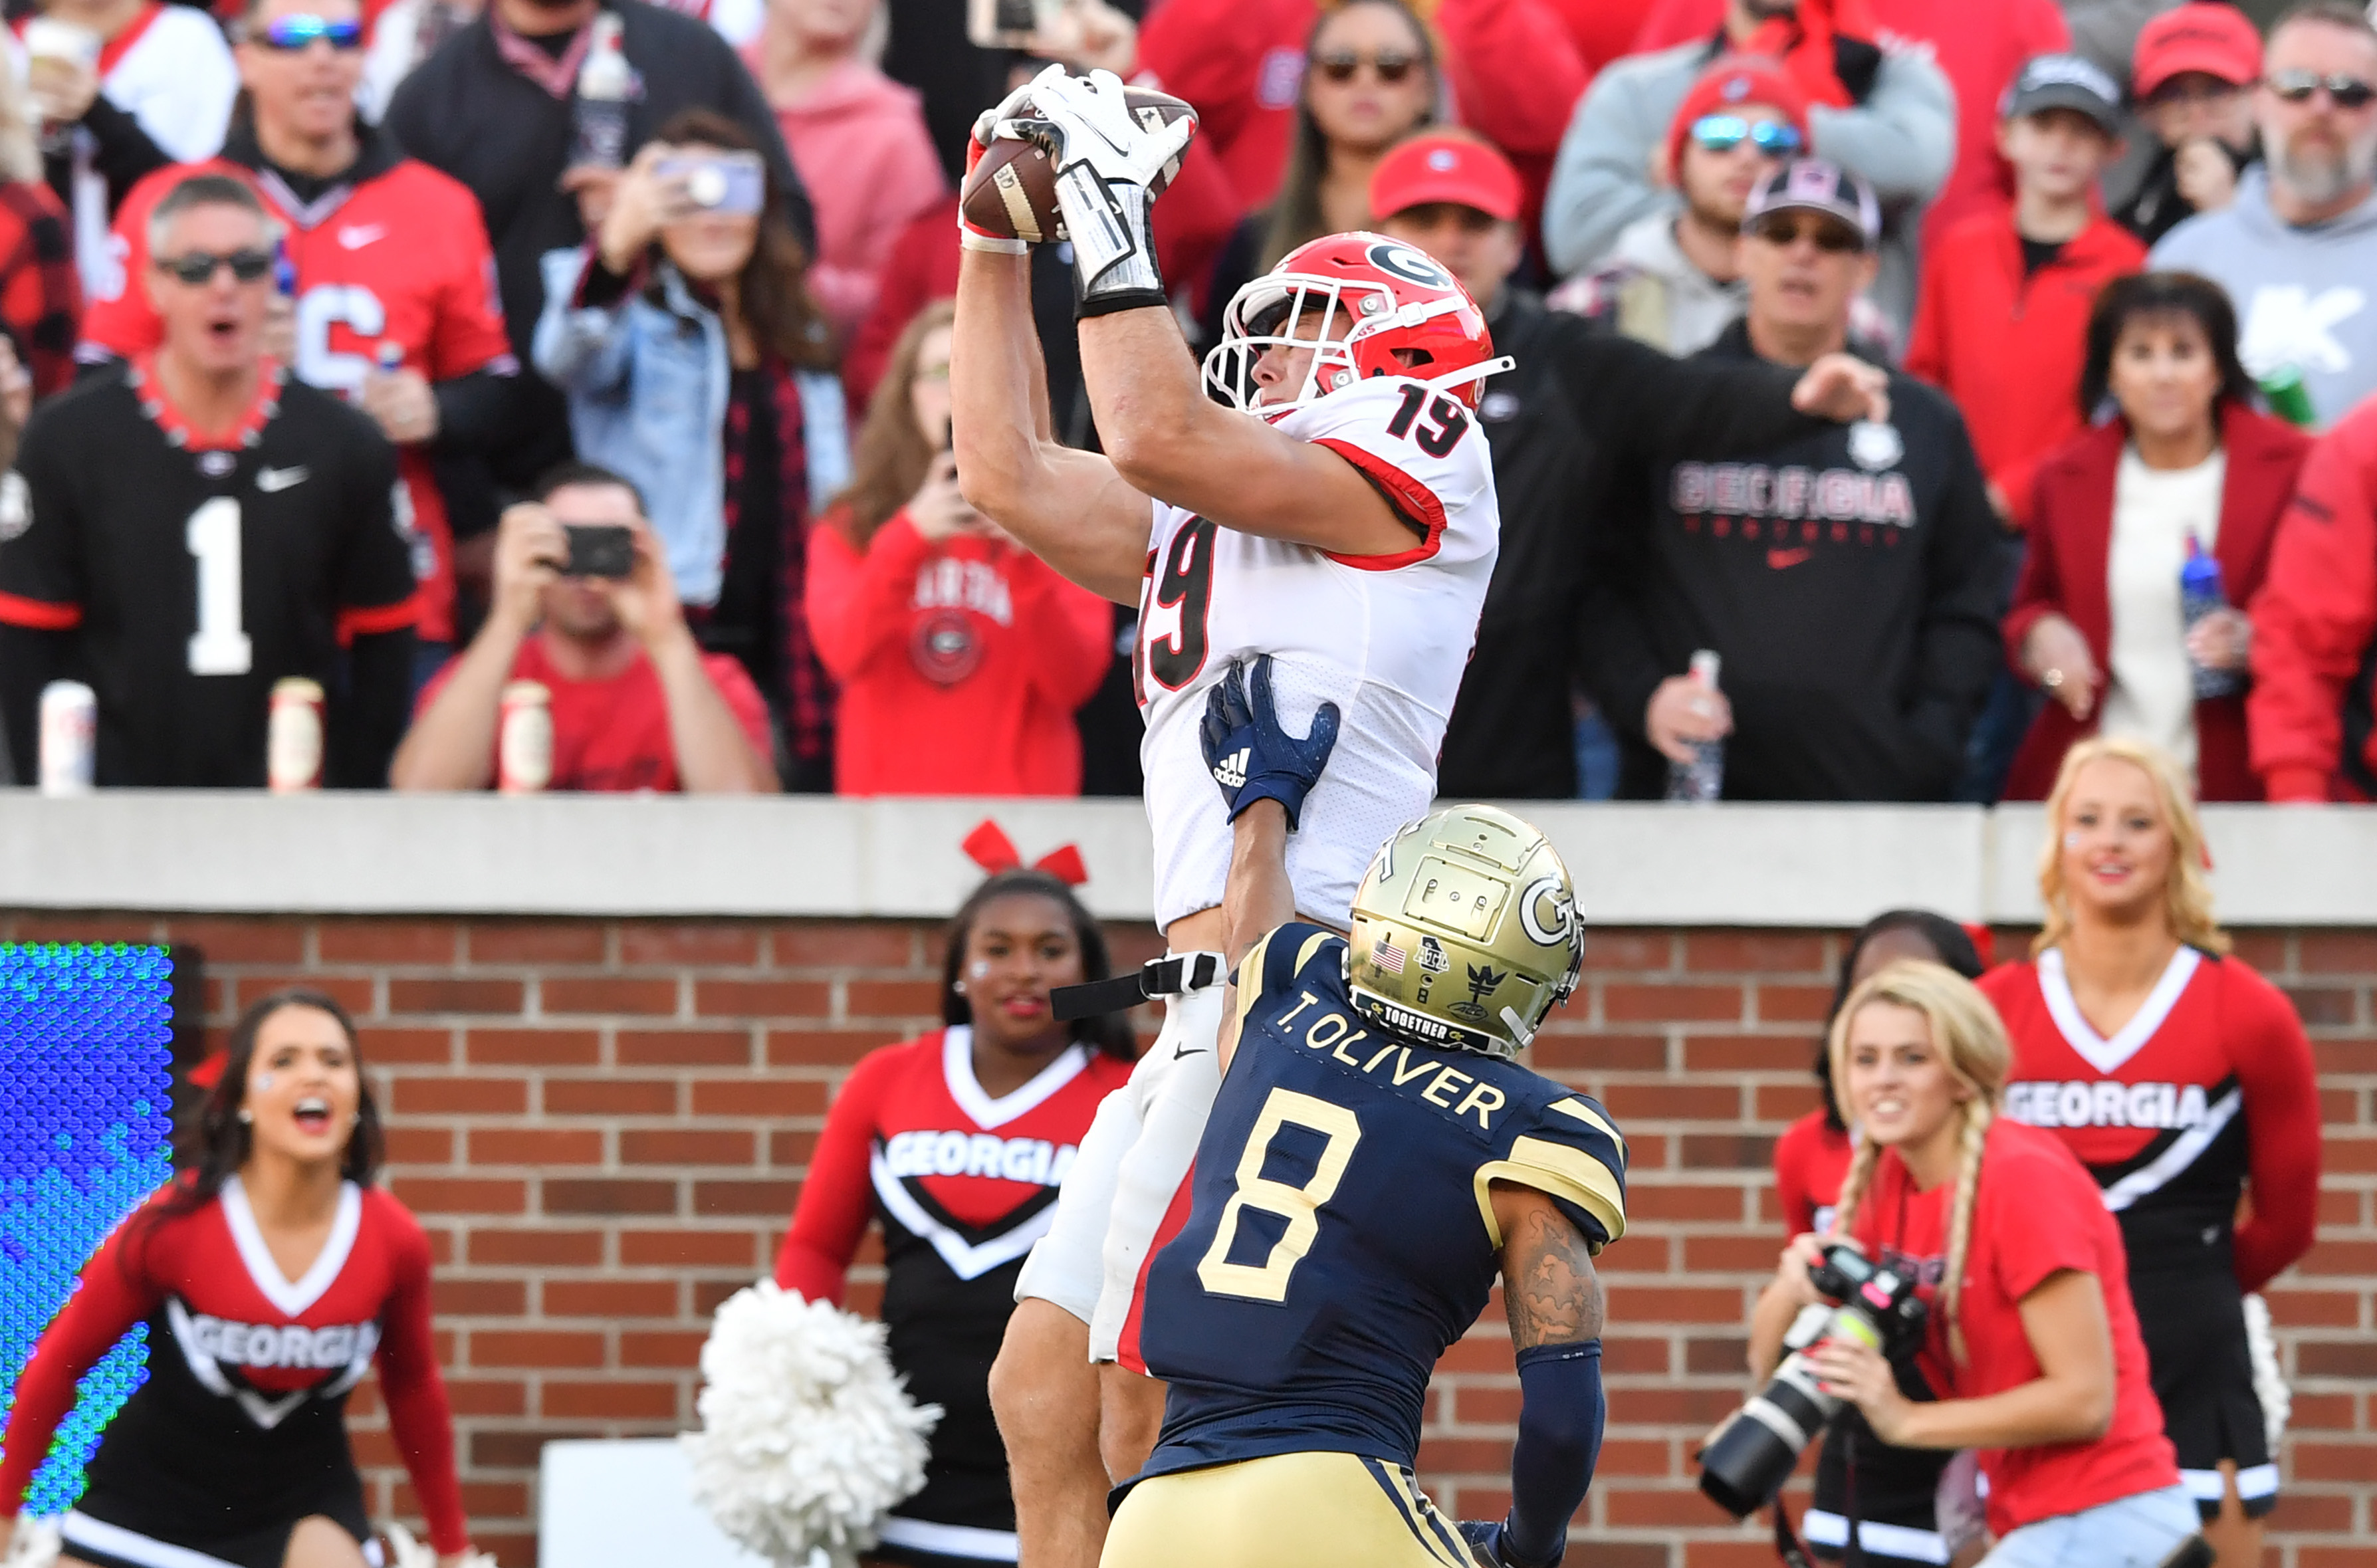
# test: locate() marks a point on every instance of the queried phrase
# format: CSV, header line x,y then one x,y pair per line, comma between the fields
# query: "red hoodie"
x,y
859,143
1512,65
2315,621
2007,347
961,663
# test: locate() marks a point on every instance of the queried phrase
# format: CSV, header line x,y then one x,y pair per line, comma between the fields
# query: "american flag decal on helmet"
x,y
1387,958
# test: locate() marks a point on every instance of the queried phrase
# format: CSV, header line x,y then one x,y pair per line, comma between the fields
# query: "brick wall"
x,y
603,1126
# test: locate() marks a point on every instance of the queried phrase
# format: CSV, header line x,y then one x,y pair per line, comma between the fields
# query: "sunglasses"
x,y
1722,133
1784,229
2297,86
1339,65
293,33
197,267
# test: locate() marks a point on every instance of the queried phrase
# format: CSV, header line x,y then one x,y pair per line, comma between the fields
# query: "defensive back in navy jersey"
x,y
1342,1233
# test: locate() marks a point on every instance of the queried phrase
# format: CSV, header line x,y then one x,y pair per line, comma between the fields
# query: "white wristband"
x,y
971,238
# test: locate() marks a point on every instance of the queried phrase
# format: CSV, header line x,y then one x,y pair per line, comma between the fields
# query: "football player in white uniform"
x,y
1336,511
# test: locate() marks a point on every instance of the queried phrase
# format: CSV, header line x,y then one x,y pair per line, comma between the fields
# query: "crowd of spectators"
x,y
689,264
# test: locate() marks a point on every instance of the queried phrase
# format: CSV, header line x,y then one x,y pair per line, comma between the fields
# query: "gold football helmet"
x,y
1464,931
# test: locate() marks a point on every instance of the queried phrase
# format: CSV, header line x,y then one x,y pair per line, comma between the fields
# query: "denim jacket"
x,y
648,388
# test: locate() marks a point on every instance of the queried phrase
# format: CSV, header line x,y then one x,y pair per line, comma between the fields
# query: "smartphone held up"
x,y
728,184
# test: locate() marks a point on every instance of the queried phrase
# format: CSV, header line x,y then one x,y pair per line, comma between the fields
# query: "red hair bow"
x,y
989,847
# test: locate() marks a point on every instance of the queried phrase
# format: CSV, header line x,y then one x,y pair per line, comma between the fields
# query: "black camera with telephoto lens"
x,y
1756,1450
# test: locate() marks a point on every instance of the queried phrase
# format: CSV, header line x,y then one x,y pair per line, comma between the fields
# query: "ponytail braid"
x,y
1862,1162
1977,1116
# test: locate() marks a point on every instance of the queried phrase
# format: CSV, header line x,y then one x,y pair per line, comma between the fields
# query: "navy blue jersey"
x,y
1342,1233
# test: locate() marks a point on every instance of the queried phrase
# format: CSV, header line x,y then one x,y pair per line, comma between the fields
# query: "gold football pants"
x,y
1289,1511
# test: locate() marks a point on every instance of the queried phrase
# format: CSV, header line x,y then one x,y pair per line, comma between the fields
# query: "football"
x,y
1012,191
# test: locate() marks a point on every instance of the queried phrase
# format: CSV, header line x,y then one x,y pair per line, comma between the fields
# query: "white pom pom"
x,y
808,1438
36,1544
2269,1379
404,1551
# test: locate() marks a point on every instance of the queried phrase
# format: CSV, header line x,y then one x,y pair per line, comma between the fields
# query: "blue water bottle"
x,y
2200,594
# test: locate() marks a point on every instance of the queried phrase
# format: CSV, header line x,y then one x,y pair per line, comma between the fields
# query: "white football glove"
x,y
1105,161
1093,125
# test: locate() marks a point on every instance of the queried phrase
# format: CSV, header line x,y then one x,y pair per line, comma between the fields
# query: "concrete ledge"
x,y
1770,866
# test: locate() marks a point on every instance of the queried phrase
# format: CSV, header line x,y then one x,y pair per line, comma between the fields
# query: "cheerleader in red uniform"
x,y
272,1276
956,1142
1893,1489
2180,1077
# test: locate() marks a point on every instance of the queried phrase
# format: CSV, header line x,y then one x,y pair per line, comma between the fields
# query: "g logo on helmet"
x,y
1563,912
1412,265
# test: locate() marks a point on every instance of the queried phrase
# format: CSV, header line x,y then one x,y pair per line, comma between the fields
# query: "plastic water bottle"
x,y
2200,594
1702,778
600,112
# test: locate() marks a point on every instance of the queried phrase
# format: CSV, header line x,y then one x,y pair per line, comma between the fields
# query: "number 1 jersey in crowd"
x,y
390,254
199,570
1385,638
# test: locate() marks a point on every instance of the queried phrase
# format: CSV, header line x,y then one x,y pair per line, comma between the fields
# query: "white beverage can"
x,y
524,739
292,746
69,736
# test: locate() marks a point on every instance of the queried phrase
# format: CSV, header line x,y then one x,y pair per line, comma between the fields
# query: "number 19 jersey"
x,y
1385,638
1342,1232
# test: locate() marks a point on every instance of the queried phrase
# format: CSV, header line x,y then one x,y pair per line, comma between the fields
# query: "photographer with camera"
x,y
1980,1249
1896,1490
698,367
634,703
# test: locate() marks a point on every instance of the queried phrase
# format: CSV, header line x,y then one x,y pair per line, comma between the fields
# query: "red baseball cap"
x,y
1445,166
2217,38
1729,84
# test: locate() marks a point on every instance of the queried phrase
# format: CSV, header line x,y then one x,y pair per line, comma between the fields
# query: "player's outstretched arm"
x,y
1263,774
1553,1301
1071,509
1167,438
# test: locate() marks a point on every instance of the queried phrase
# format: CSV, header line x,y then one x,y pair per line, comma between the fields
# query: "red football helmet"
x,y
1365,306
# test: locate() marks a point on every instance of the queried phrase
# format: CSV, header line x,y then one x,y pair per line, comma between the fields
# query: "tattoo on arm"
x,y
1549,1291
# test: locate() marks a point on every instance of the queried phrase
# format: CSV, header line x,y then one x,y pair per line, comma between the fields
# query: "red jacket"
x,y
961,663
2009,347
1604,30
2070,542
1512,65
2313,623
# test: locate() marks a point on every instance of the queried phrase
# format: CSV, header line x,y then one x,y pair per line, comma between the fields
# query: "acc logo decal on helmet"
x,y
1409,263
